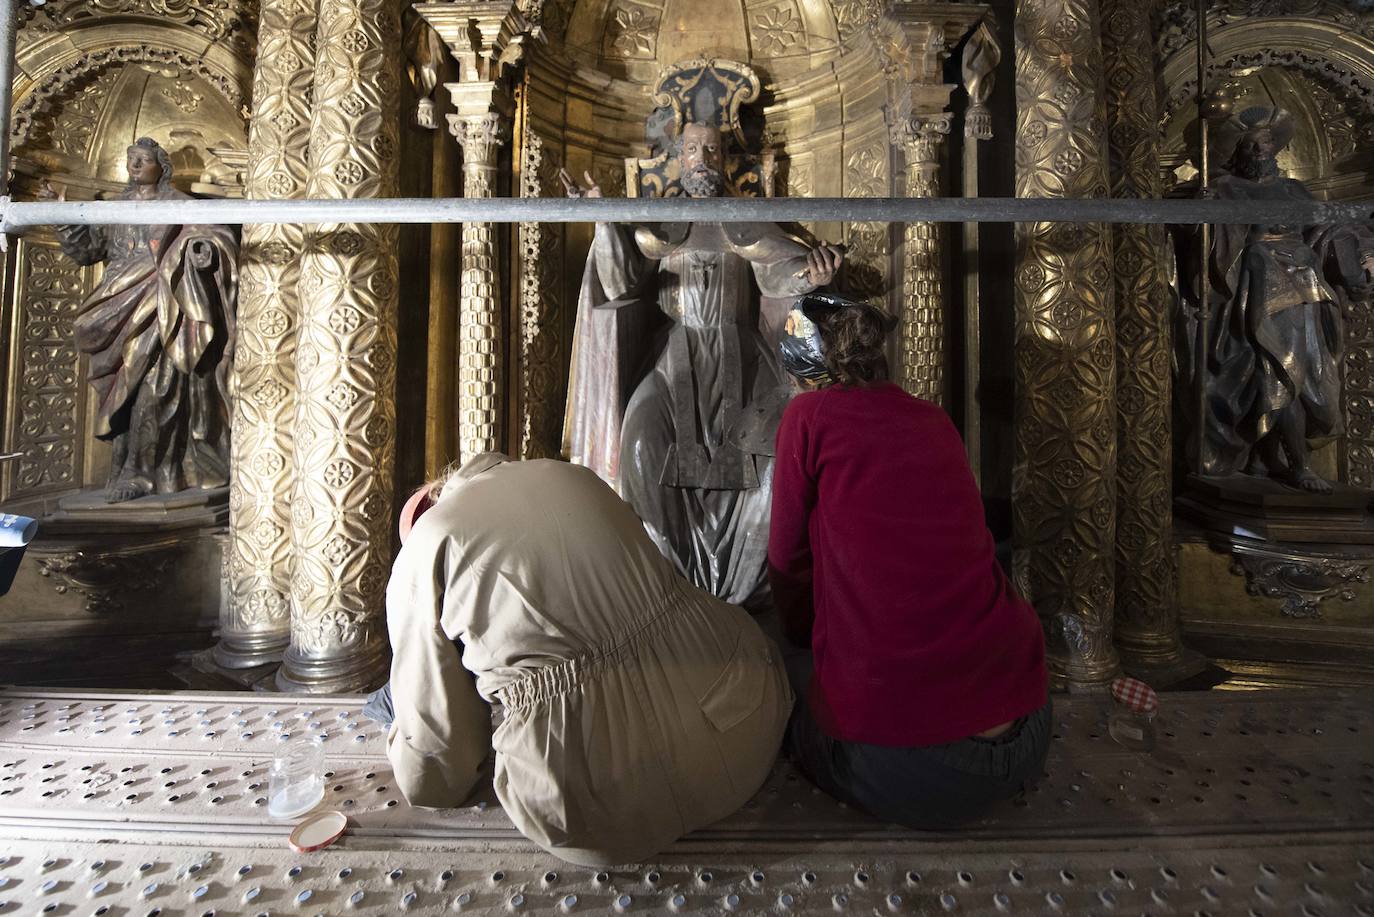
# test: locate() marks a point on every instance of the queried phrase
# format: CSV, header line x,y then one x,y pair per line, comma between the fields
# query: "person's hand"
x,y
822,262
46,192
576,190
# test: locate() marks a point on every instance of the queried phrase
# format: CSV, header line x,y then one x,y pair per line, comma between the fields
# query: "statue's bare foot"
x,y
1310,481
126,489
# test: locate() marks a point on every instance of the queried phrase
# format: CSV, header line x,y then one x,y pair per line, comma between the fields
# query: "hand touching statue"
x,y
822,262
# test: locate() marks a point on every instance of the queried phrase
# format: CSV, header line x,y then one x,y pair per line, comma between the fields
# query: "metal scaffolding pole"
x,y
16,216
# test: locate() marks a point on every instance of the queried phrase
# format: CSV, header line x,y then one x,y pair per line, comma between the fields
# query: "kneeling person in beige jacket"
x,y
636,706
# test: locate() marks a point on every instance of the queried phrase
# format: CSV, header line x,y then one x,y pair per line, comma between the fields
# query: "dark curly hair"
x,y
149,145
853,337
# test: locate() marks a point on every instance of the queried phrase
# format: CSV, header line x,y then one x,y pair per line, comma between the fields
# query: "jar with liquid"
x,y
296,781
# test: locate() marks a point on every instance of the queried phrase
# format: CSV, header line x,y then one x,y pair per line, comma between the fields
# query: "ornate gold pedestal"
x,y
149,566
1273,575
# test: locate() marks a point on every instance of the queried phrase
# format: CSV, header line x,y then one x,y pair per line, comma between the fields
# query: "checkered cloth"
x,y
1135,694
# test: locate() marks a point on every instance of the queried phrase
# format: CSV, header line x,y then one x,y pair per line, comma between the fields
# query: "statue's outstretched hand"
x,y
46,192
822,262
576,190
201,254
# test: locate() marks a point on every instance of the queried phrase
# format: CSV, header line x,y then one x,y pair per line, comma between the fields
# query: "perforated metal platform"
x,y
136,804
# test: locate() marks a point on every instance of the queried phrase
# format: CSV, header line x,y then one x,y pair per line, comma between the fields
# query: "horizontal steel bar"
x,y
20,215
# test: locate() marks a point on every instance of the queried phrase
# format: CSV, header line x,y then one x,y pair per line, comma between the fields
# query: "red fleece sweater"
x,y
879,547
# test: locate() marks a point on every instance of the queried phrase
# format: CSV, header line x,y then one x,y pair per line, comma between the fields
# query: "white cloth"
x,y
637,707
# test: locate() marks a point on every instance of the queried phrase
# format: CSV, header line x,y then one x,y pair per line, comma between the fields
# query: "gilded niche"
x,y
636,39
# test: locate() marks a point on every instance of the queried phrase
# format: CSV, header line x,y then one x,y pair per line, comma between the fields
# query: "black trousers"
x,y
929,787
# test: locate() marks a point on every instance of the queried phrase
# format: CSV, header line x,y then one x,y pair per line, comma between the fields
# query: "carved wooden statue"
x,y
1271,362
675,391
159,334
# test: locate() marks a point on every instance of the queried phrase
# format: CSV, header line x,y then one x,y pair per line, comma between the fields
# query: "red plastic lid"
x,y
1135,694
318,831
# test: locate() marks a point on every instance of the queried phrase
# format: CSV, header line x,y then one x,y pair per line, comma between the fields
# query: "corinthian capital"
x,y
479,135
920,136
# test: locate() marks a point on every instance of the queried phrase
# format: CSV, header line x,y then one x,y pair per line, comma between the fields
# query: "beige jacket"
x,y
637,707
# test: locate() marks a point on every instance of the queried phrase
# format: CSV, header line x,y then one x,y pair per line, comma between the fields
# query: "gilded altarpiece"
x,y
84,88
1304,595
90,77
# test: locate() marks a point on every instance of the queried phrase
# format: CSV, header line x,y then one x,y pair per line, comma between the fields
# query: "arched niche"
x,y
90,89
1320,70
90,78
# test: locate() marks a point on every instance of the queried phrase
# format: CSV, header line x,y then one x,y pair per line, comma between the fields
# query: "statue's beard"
x,y
703,181
1257,167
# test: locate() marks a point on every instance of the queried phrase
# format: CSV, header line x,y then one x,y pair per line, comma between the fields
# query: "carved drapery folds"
x,y
1064,483
344,446
1147,632
255,622
923,320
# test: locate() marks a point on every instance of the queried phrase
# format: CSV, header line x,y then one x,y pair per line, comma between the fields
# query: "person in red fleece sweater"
x,y
929,697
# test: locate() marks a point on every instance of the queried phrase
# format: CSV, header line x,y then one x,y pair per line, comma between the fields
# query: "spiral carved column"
x,y
255,619
1147,629
479,318
923,311
1064,479
345,438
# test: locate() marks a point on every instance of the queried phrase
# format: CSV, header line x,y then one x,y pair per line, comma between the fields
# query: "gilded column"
x,y
485,37
479,318
341,511
1147,630
923,311
255,618
1064,477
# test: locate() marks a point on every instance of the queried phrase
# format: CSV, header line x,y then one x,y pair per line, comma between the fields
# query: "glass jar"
x,y
296,781
1132,720
1134,729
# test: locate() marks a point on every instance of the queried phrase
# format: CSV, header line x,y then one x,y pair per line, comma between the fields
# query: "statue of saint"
x,y
159,333
675,391
1271,367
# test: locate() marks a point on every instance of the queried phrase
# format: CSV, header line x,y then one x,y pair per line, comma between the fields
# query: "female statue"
x,y
159,332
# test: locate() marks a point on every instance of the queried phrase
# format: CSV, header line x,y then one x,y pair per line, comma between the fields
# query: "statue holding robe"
x,y
1271,368
159,334
675,391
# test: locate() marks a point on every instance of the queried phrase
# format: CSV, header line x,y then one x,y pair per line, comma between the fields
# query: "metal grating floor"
x,y
1253,803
